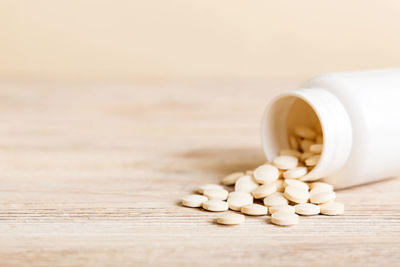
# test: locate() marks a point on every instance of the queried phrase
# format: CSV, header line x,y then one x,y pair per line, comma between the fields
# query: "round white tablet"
x,y
284,218
215,205
193,201
231,218
307,209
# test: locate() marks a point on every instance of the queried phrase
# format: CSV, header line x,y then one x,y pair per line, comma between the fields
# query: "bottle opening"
x,y
285,114
318,110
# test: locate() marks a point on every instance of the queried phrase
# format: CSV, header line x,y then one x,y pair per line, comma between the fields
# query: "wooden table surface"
x,y
92,174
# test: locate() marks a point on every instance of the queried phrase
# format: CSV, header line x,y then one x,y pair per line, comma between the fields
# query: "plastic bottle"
x,y
359,113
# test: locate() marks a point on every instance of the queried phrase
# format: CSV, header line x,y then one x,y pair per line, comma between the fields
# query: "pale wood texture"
x,y
93,175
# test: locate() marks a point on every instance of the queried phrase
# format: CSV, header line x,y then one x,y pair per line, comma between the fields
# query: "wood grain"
x,y
92,174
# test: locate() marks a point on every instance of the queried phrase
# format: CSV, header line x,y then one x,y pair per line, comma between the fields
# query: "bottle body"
x,y
359,114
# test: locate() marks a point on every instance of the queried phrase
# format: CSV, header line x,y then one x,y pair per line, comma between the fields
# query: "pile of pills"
x,y
278,188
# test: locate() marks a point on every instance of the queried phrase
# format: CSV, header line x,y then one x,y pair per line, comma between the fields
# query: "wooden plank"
x,y
93,174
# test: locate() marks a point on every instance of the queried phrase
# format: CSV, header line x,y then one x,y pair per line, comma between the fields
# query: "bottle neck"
x,y
306,106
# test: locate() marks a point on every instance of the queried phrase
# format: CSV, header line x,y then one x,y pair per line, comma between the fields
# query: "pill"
x,y
316,148
204,187
193,201
305,132
306,155
332,208
215,205
279,185
231,218
266,174
240,195
290,152
293,142
322,197
326,186
296,194
295,173
313,160
276,199
245,184
319,139
285,162
284,218
317,190
264,191
306,145
296,183
284,208
254,209
220,194
308,178
307,209
239,199
232,178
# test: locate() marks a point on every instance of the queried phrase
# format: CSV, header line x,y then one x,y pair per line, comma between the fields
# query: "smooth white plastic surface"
x,y
359,113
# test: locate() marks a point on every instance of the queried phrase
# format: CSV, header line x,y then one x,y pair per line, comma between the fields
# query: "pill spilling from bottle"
x,y
279,188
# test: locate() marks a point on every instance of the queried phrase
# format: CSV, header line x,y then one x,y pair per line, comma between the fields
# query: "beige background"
x,y
208,39
92,173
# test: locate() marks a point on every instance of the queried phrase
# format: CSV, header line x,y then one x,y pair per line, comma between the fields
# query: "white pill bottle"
x,y
359,114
